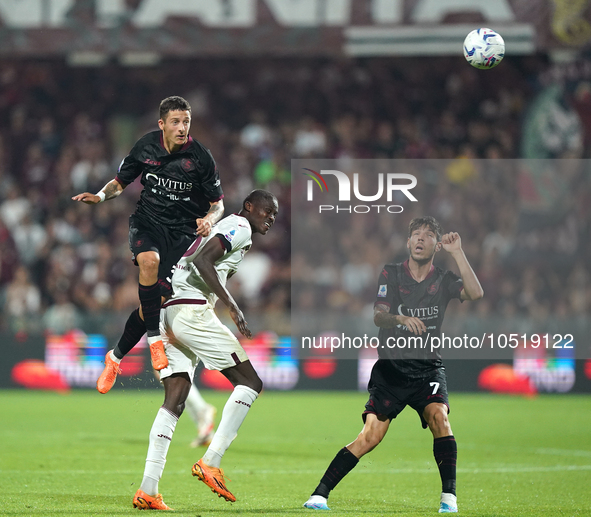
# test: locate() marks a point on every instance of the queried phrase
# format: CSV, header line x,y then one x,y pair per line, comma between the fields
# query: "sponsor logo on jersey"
x,y
403,290
419,312
230,235
152,162
382,291
169,184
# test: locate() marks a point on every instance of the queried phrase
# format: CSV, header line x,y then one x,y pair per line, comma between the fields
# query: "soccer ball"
x,y
484,48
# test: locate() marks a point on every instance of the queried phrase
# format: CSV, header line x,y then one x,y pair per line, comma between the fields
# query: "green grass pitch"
x,y
83,454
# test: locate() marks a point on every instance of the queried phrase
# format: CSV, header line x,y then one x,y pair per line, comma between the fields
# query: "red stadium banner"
x,y
141,32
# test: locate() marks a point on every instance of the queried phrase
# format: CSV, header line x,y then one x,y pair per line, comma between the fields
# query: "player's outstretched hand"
x,y
241,323
88,198
204,227
415,325
451,242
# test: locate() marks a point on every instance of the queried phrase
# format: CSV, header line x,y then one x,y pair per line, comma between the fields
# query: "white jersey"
x,y
187,283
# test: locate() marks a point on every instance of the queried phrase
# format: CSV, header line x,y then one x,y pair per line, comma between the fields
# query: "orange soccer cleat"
x,y
144,501
159,359
106,379
214,479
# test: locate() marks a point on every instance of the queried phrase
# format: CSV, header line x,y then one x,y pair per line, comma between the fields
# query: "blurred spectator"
x,y
254,271
62,316
92,171
14,208
256,134
8,256
23,301
30,238
310,139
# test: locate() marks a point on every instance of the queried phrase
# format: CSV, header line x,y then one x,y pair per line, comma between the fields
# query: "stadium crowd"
x,y
65,264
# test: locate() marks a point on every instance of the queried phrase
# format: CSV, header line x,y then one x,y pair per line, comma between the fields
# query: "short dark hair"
x,y
174,103
427,220
257,196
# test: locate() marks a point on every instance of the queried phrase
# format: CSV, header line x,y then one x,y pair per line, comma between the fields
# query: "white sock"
x,y
196,406
160,438
234,413
114,357
153,339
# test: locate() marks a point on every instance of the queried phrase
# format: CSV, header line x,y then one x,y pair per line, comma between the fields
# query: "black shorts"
x,y
389,393
169,243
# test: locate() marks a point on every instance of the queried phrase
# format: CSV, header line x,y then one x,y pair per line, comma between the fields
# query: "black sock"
x,y
150,302
341,465
445,451
135,328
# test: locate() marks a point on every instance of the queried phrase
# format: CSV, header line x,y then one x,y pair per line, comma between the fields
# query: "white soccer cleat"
x,y
317,502
449,503
206,424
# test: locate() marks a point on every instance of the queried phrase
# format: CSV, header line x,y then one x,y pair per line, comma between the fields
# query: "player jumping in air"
x,y
182,198
411,301
192,333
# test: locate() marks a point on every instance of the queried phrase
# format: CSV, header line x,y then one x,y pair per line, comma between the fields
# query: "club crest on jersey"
x,y
230,235
187,165
382,291
433,288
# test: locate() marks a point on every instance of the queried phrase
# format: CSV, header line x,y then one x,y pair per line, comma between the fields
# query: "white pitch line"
x,y
493,470
564,452
578,453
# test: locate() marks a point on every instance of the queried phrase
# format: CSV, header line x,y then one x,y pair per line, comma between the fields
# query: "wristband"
x,y
101,194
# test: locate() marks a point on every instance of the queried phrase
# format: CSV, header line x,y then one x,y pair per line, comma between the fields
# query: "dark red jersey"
x,y
426,300
178,187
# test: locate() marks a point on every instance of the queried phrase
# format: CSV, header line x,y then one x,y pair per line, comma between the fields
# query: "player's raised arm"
x,y
109,191
205,224
205,263
452,243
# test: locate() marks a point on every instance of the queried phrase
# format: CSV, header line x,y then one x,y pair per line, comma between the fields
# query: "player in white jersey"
x,y
192,333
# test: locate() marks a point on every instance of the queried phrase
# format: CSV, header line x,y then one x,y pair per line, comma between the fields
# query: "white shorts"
x,y
192,333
